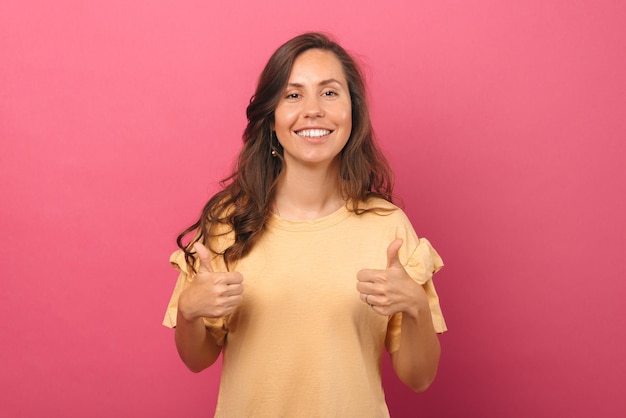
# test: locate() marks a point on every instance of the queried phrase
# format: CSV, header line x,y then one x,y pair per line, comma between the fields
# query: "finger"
x,y
367,298
229,278
203,255
365,288
234,290
367,275
232,302
393,259
235,278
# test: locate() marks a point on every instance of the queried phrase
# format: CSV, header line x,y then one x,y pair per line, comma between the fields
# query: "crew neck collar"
x,y
309,224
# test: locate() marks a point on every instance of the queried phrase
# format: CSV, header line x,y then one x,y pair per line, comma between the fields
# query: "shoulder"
x,y
371,204
382,214
379,206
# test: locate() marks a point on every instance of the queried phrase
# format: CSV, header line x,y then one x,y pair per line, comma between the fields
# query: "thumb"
x,y
393,260
203,255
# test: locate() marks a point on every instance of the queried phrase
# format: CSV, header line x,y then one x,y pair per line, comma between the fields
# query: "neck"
x,y
307,194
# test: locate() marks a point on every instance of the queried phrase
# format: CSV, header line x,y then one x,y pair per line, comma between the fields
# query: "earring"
x,y
274,143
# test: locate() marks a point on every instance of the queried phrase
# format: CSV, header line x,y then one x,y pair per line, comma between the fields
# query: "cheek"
x,y
283,119
347,119
348,113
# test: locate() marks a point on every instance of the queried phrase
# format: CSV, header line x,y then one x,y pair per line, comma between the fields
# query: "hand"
x,y
391,290
210,294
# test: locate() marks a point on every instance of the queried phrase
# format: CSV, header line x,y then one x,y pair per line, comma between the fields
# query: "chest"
x,y
306,277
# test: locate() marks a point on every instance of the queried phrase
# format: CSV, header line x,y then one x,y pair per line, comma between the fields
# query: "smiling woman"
x,y
301,270
312,122
314,118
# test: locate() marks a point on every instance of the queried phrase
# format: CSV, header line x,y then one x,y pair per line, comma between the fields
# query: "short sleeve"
x,y
421,265
216,326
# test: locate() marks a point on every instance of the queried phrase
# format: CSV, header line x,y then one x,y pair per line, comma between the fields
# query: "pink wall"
x,y
505,122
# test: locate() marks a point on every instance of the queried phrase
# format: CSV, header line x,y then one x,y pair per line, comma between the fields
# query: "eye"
x,y
329,93
292,96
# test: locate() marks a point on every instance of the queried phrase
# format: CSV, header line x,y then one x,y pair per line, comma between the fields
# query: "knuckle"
x,y
379,290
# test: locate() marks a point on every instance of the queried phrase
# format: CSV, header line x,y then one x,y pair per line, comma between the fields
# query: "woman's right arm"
x,y
195,344
210,295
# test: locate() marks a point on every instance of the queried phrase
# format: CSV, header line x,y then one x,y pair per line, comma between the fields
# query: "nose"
x,y
312,107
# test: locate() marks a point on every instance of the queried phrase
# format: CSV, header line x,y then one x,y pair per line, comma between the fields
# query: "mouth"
x,y
313,133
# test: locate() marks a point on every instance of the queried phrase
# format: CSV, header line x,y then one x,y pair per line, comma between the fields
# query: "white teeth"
x,y
313,133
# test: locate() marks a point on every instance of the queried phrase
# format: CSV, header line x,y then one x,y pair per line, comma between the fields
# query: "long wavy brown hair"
x,y
242,207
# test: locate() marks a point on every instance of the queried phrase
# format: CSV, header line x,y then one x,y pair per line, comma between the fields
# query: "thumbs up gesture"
x,y
391,290
210,294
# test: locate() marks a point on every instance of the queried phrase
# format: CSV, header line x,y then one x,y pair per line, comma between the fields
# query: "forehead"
x,y
316,65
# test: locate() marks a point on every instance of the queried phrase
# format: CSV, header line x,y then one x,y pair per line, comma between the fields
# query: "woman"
x,y
301,269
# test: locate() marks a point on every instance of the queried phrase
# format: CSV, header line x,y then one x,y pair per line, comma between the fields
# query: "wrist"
x,y
418,305
419,310
184,312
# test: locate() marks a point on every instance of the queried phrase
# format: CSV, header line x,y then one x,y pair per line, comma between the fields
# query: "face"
x,y
313,118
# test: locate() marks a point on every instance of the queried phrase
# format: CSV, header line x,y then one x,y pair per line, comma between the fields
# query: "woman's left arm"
x,y
417,359
393,291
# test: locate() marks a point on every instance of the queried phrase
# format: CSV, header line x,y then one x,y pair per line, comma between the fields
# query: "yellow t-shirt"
x,y
302,343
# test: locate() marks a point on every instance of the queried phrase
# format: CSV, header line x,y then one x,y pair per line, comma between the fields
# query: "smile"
x,y
313,133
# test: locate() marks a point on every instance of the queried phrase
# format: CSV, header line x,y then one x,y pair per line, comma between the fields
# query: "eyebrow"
x,y
322,83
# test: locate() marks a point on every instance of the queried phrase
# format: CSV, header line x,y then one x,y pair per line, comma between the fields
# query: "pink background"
x,y
505,122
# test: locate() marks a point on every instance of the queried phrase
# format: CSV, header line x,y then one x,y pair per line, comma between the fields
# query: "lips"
x,y
313,133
